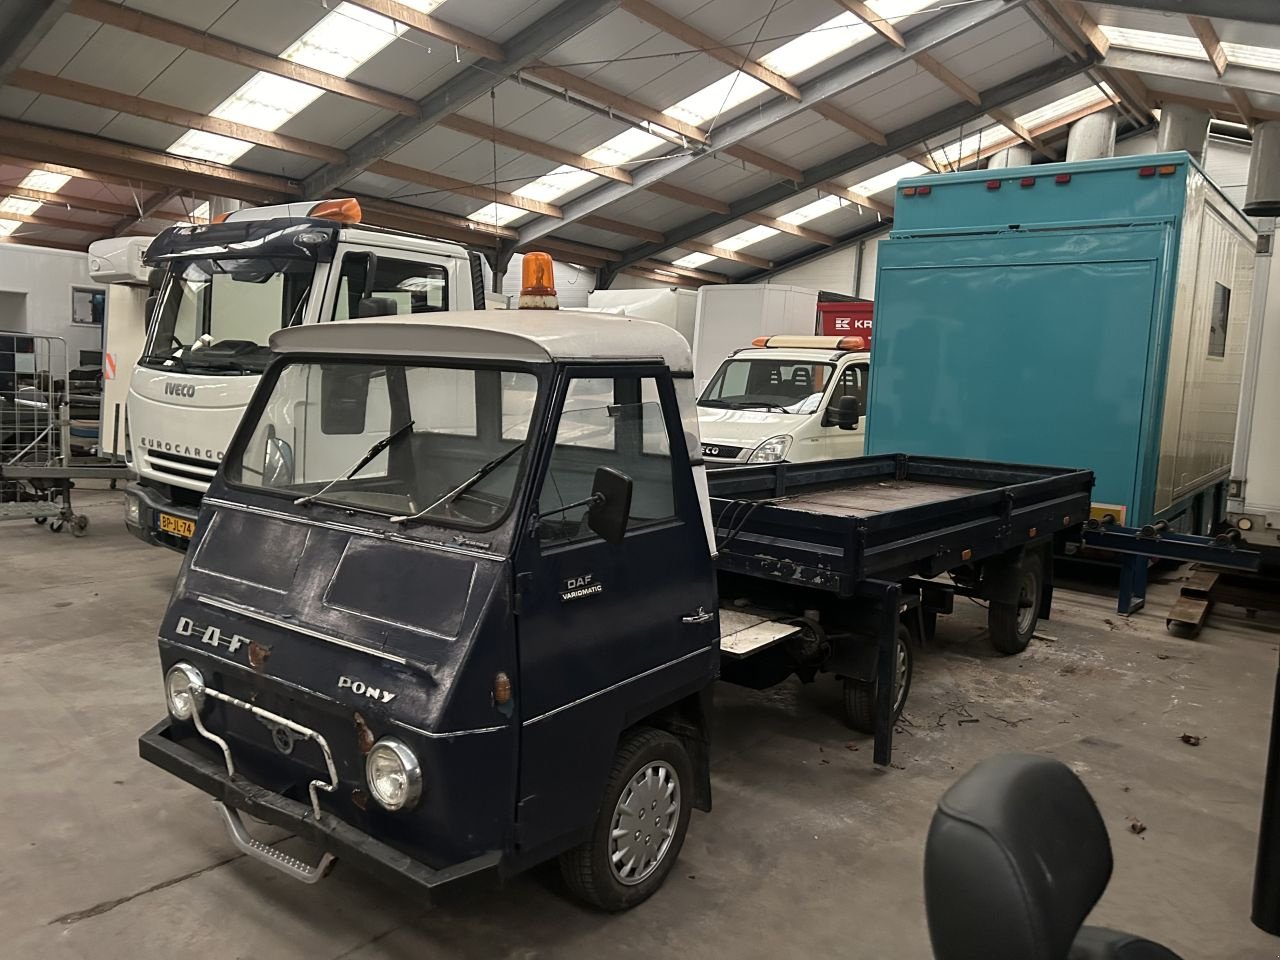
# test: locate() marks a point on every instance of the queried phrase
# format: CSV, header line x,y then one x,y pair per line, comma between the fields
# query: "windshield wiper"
x,y
173,358
363,462
747,405
464,486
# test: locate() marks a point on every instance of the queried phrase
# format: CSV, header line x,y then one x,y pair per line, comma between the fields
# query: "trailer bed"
x,y
831,524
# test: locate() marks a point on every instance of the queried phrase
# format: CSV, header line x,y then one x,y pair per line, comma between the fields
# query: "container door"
x,y
606,632
1028,348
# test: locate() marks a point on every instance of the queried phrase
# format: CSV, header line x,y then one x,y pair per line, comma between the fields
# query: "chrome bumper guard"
x,y
263,852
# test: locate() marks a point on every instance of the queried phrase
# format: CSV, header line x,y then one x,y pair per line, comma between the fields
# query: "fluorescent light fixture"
x,y
1173,44
693,260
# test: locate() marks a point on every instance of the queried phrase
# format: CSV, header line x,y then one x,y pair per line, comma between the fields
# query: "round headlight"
x,y
184,690
395,778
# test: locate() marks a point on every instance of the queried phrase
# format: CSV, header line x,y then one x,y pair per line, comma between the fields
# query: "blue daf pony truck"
x,y
460,588
1089,313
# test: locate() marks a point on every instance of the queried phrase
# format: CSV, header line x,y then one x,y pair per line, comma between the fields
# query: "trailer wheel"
x,y
640,827
1012,624
860,695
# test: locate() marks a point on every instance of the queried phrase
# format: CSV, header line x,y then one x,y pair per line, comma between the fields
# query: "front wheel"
x,y
860,695
1012,624
640,827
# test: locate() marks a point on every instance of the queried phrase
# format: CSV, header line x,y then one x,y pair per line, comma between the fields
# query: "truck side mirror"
x,y
611,507
376,307
845,413
370,274
277,463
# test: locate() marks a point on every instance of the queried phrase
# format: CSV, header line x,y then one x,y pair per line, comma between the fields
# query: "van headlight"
x,y
394,775
772,450
184,690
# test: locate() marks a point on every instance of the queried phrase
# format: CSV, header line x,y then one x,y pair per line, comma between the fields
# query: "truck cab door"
x,y
851,380
608,633
403,283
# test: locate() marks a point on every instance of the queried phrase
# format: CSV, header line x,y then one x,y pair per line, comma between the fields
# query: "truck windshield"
x,y
443,427
768,383
216,315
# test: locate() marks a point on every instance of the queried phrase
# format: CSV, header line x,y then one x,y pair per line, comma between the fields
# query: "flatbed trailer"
x,y
824,566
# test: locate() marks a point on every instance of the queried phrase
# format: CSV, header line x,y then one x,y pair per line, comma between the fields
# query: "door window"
x,y
852,383
607,422
411,286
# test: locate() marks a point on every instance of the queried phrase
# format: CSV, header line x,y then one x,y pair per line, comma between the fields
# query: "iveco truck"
x,y
224,288
461,587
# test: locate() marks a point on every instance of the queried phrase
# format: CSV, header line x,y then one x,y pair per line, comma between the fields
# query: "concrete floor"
x,y
810,850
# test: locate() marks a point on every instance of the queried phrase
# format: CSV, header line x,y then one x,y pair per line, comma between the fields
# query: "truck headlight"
x,y
394,775
772,450
184,690
132,511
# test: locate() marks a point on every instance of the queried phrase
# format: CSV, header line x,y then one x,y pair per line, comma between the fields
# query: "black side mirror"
x,y
370,274
376,307
611,506
845,413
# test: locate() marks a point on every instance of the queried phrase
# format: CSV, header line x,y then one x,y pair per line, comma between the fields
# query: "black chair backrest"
x,y
1016,858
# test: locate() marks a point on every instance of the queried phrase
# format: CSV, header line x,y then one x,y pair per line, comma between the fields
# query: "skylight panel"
x,y
889,179
19,205
266,101
1063,107
43,180
1153,42
625,147
821,43
209,146
693,260
747,237
346,38
8,226
829,203
1266,58
726,93
498,214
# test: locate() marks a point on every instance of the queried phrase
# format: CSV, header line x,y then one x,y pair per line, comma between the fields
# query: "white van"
x,y
783,399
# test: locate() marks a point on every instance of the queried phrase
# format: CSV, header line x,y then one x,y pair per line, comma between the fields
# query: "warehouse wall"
x,y
35,294
835,271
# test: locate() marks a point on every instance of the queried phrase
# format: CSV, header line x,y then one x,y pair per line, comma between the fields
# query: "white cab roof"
x,y
534,336
802,354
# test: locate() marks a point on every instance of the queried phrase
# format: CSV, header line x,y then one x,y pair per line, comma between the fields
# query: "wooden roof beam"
x,y
672,192
69,202
736,256
782,226
1202,27
621,228
435,27
39,220
1052,23
1008,120
180,35
1244,106
876,22
477,191
675,27
483,131
1039,132
662,266
674,279
1078,17
152,110
592,255
765,162
930,64
862,200
613,100
851,123
413,219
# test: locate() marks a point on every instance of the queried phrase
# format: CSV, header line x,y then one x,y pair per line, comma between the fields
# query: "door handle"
x,y
699,616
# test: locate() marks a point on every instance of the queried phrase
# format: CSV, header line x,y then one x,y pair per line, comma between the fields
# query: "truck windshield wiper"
x,y
162,358
748,404
363,462
463,487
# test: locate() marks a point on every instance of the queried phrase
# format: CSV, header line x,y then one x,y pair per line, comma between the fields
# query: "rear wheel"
x,y
1012,624
860,695
640,827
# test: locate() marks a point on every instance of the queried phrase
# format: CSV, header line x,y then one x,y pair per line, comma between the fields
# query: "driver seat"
x,y
1017,856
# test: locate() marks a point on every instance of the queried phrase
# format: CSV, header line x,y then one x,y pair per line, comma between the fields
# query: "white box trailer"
x,y
673,306
1253,501
731,315
117,262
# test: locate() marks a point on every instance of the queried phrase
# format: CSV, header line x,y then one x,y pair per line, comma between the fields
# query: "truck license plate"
x,y
177,525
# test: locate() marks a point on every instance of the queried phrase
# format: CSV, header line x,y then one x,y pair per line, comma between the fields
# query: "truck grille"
x,y
721,451
179,467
